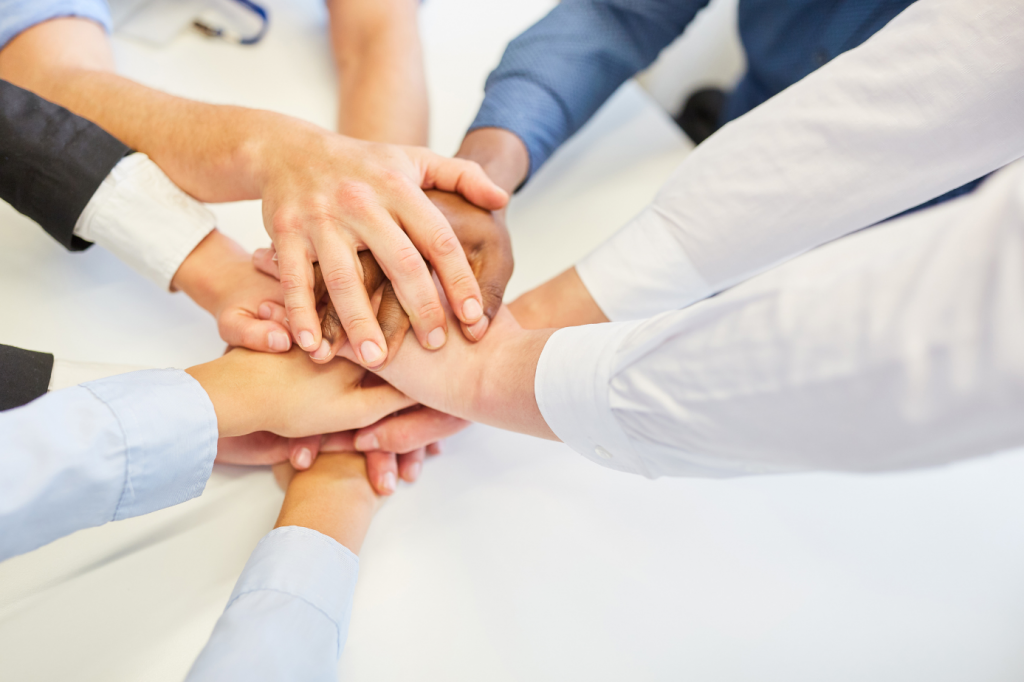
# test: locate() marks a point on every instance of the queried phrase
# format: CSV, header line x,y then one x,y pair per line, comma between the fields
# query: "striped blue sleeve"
x,y
20,15
556,75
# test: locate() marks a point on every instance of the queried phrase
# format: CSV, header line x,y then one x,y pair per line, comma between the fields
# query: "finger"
x,y
344,281
409,431
392,319
330,323
239,328
272,310
462,176
436,240
434,449
492,266
265,260
342,441
382,470
261,447
399,256
411,464
296,272
303,452
374,403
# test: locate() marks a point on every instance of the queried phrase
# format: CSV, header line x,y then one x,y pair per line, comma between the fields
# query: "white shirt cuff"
x,y
68,373
572,389
642,270
144,219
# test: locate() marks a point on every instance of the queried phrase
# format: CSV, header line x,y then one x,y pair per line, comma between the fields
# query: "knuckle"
x,y
341,281
409,261
445,244
356,197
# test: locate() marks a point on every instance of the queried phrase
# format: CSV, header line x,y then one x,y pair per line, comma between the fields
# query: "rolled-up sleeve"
x,y
287,618
20,15
894,348
555,75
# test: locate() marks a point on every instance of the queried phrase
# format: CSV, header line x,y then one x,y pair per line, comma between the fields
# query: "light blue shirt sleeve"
x,y
103,451
554,76
287,618
19,15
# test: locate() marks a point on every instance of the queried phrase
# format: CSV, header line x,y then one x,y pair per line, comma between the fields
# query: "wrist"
x,y
204,275
503,393
236,404
501,154
333,497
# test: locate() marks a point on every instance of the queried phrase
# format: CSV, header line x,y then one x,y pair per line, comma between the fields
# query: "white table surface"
x,y
512,558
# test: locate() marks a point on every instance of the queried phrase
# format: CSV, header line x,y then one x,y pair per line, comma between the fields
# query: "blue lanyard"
x,y
231,36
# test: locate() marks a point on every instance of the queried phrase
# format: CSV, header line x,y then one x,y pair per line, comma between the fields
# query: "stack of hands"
x,y
316,324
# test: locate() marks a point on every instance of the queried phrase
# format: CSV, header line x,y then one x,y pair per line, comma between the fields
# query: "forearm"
x,y
382,85
208,150
554,76
852,144
333,497
562,301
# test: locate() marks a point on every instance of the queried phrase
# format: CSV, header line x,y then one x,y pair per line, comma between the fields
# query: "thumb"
x,y
465,177
239,328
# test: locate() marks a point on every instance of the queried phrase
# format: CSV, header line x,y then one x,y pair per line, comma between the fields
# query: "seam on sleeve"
x,y
337,628
125,449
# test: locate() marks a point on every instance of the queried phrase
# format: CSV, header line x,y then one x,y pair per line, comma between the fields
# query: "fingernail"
x,y
367,442
258,253
436,338
305,340
265,311
303,459
323,351
477,329
274,258
414,471
387,482
471,311
278,341
371,352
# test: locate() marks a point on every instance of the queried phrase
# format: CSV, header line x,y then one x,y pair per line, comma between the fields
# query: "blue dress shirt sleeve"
x,y
287,618
20,15
103,451
554,76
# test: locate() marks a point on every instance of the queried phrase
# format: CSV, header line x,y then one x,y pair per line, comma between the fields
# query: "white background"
x,y
513,558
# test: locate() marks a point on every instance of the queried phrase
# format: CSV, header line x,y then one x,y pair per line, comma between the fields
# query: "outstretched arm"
x,y
382,85
893,348
325,196
288,615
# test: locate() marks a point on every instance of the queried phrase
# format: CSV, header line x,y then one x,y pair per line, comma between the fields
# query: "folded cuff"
x,y
307,565
144,219
572,386
170,434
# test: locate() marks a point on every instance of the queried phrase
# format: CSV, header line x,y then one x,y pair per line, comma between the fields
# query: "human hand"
x,y
490,381
397,445
484,238
288,395
264,447
393,321
327,197
248,305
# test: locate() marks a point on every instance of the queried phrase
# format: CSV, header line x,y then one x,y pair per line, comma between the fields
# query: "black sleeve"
x,y
51,161
24,376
